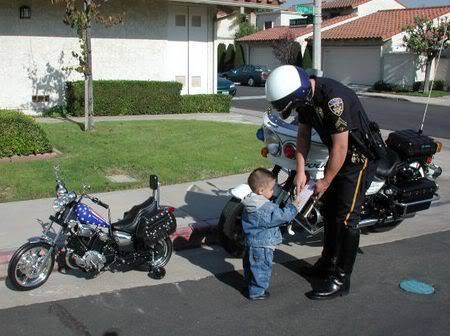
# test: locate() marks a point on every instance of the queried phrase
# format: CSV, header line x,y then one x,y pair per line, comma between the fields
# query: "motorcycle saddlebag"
x,y
421,189
410,144
156,227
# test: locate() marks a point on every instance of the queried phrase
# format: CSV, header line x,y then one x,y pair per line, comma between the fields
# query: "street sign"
x,y
304,9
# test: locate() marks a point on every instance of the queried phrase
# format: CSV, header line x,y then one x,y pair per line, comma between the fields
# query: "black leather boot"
x,y
335,285
338,284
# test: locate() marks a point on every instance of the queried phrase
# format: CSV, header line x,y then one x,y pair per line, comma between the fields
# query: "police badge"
x,y
336,106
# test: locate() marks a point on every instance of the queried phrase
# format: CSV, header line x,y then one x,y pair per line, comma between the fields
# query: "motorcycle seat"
x,y
388,164
130,219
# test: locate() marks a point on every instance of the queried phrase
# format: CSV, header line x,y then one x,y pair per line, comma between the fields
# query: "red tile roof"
x,y
279,32
274,3
383,24
343,3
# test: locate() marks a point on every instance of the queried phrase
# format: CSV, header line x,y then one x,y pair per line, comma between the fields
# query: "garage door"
x,y
263,56
352,65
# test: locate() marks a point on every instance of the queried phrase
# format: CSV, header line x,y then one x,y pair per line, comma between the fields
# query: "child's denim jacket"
x,y
261,220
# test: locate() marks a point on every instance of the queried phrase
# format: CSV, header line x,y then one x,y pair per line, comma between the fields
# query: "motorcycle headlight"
x,y
58,205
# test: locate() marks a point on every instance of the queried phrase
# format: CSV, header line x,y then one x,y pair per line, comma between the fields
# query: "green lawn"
x,y
177,151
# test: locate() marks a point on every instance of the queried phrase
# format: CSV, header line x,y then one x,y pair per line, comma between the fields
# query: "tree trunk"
x,y
88,86
426,85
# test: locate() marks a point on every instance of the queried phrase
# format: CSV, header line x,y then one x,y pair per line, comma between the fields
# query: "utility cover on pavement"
x,y
416,287
121,179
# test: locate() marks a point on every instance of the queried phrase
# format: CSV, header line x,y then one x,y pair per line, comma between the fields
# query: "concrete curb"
x,y
184,238
412,99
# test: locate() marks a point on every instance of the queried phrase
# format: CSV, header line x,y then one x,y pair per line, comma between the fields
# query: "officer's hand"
x,y
300,181
321,186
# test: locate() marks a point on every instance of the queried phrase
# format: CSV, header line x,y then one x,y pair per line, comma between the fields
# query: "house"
x,y
371,48
159,40
258,47
277,18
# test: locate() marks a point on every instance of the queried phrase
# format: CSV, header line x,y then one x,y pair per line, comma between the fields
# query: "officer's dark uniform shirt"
x,y
336,109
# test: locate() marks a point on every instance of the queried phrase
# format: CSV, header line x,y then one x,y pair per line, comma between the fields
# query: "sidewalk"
x,y
441,101
235,116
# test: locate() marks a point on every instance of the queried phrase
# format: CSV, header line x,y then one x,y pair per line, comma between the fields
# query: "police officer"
x,y
337,115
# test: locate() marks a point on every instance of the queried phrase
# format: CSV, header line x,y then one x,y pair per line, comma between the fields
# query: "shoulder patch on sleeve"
x,y
336,106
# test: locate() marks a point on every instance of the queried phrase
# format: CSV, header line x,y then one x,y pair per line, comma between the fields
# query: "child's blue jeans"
x,y
257,264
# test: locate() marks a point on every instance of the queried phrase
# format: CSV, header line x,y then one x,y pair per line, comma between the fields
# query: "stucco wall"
x,y
262,18
227,28
377,5
35,52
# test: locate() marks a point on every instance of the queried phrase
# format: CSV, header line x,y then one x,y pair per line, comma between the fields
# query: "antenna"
x,y
434,77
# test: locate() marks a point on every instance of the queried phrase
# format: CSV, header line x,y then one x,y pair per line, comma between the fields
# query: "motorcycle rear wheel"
x,y
230,231
163,250
24,269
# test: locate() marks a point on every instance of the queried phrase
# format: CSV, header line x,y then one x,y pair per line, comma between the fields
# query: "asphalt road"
x,y
215,306
389,114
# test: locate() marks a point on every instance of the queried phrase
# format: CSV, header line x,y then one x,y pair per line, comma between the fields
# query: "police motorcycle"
x,y
404,182
86,241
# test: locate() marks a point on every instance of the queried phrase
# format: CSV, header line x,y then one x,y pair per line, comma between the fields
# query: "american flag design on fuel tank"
x,y
86,215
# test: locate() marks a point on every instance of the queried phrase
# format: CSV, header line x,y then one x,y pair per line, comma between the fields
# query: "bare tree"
x,y
80,15
286,49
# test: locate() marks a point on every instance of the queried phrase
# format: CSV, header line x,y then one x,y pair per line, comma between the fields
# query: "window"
x,y
196,81
25,12
268,24
196,21
181,79
180,20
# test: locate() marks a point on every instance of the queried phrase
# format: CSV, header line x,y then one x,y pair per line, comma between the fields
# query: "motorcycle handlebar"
x,y
97,201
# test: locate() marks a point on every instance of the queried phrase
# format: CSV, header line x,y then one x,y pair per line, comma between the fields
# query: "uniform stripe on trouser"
x,y
357,191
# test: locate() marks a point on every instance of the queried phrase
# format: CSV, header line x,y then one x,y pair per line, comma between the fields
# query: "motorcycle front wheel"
x,y
162,252
31,265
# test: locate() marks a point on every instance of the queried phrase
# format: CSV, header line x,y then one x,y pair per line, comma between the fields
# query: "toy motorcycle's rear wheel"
x,y
231,235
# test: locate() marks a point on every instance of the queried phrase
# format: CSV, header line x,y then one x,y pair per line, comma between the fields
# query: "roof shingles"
x,y
383,24
280,32
343,3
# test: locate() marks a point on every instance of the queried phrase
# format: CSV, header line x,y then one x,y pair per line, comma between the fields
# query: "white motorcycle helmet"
x,y
288,87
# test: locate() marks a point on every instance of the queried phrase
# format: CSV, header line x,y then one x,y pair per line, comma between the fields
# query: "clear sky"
x,y
407,3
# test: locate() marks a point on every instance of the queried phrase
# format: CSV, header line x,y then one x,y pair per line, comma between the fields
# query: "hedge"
x,y
125,97
140,97
21,135
208,103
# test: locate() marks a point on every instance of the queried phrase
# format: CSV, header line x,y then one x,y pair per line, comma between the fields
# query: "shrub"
x,y
125,97
382,86
21,135
221,49
438,85
229,58
210,103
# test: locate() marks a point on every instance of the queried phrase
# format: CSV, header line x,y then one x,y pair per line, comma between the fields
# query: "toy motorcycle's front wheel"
x,y
31,265
230,228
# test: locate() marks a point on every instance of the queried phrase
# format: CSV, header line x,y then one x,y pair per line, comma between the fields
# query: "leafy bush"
x,y
382,86
438,85
21,135
125,97
205,103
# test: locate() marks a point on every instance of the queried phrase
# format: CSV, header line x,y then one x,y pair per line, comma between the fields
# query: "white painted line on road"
x,y
249,97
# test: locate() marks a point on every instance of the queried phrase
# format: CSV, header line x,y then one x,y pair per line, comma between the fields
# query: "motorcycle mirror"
x,y
154,182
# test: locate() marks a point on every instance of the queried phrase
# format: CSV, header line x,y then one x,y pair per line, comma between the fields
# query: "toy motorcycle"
x,y
88,242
